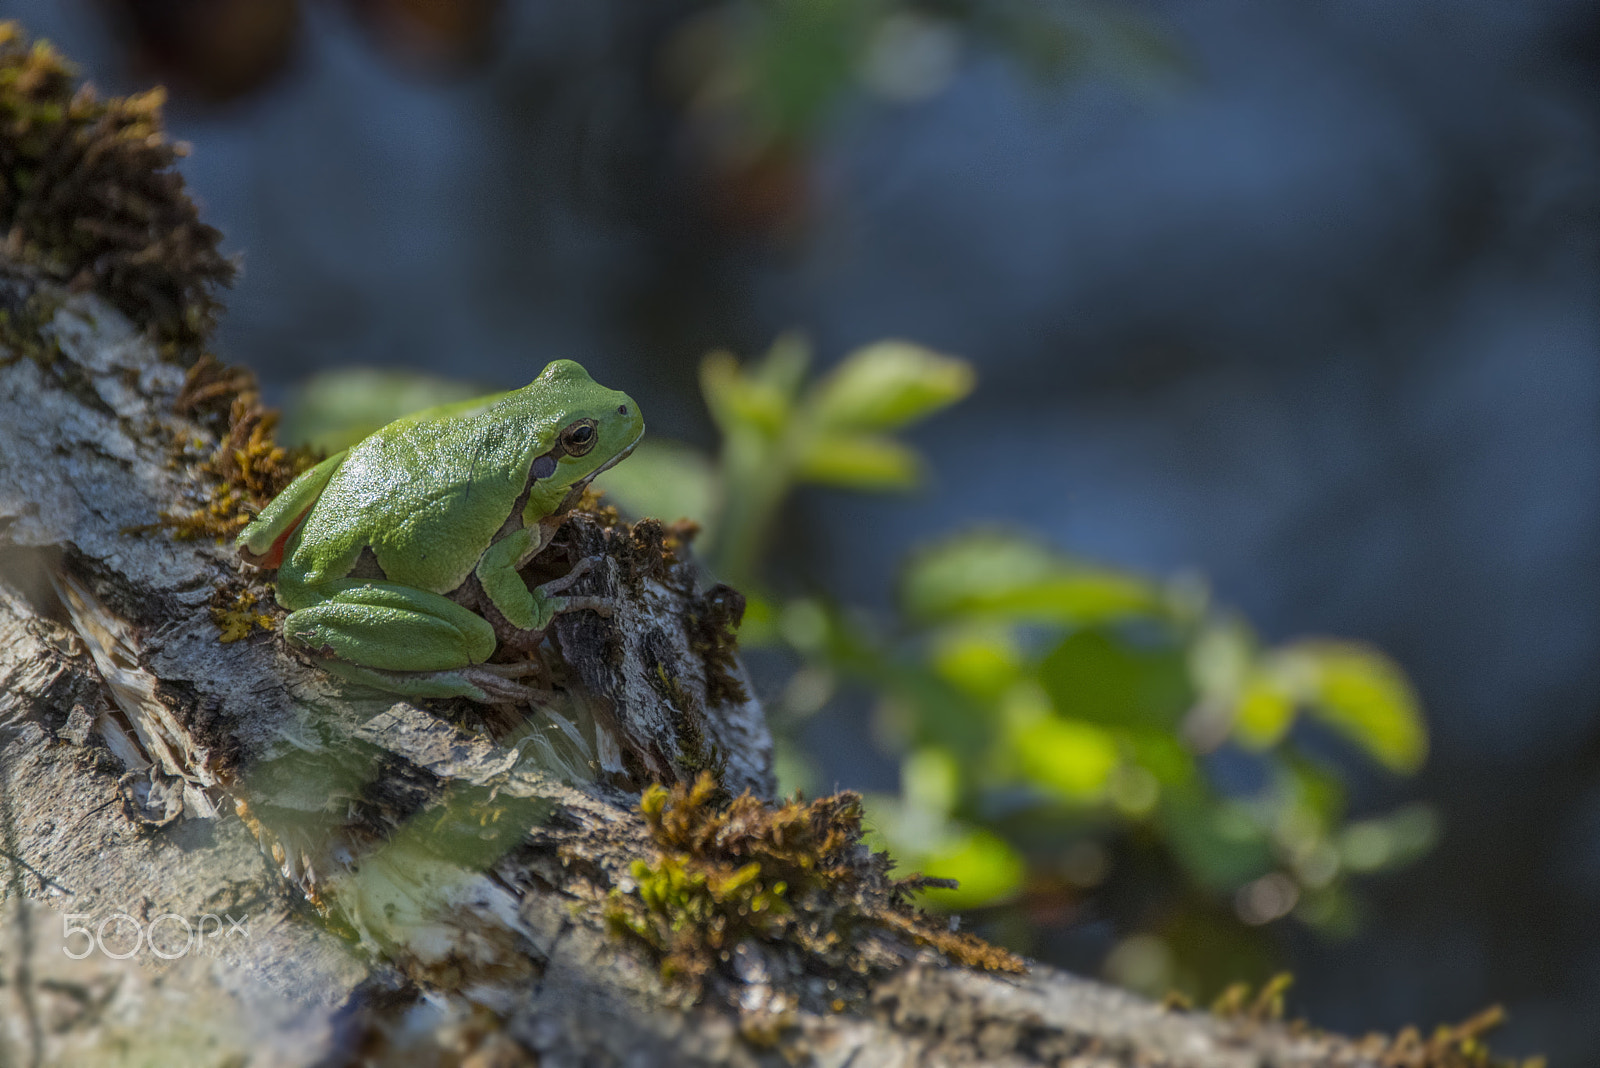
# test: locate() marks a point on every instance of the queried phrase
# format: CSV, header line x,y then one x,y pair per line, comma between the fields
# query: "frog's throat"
x,y
576,491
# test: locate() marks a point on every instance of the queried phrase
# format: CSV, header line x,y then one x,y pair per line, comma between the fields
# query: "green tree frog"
x,y
398,557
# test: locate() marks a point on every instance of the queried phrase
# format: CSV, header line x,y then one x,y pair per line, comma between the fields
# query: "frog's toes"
x,y
492,681
512,671
599,605
579,569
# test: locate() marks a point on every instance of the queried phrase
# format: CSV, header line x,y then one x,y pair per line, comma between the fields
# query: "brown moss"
x,y
90,197
1462,1045
246,469
594,502
1238,1003
713,618
648,553
24,316
794,878
694,754
209,389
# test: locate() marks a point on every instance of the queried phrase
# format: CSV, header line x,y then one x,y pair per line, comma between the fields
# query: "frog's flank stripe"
x,y
273,557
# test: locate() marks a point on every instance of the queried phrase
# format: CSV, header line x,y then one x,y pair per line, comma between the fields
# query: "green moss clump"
x,y
235,612
90,197
794,877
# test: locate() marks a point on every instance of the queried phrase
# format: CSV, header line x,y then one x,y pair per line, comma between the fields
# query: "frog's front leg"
x,y
525,609
403,640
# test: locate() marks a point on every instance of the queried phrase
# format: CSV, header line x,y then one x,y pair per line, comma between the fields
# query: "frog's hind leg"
x,y
392,627
402,640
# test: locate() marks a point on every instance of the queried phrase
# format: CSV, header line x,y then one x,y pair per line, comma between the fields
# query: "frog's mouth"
x,y
571,499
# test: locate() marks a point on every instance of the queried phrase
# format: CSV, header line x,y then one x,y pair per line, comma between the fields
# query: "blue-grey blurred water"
x,y
1316,316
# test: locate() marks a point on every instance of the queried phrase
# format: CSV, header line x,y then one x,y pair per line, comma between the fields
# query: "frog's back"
x,y
426,493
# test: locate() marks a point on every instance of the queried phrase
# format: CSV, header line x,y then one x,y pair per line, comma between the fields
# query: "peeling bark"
x,y
410,881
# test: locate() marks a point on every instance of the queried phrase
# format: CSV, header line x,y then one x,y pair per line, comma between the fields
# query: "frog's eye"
x,y
579,438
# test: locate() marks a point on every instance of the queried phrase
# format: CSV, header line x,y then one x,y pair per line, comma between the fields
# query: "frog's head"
x,y
595,428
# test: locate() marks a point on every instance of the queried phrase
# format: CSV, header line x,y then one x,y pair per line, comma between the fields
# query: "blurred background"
x,y
1301,298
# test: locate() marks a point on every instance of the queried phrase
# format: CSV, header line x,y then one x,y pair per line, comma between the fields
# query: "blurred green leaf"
x,y
997,574
760,626
333,410
1220,656
1094,676
784,367
943,714
1319,788
1364,694
791,61
859,462
1019,674
981,661
888,385
1217,842
665,479
1264,712
1068,758
1386,841
1163,754
740,402
930,779
1331,910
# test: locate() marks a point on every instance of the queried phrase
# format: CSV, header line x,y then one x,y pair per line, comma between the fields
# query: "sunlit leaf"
x,y
804,624
1263,714
1001,575
665,479
739,402
930,779
859,461
760,626
1092,675
1069,759
889,384
335,409
986,866
1220,657
982,661
1365,695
